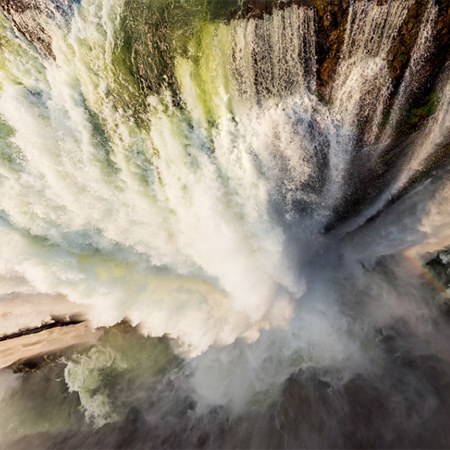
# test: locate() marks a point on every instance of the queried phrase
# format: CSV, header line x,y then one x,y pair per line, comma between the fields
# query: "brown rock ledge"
x,y
45,340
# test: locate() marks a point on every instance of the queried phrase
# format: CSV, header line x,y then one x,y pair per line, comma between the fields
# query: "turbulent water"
x,y
174,166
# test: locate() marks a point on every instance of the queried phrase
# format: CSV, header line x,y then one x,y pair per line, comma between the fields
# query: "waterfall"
x,y
174,166
433,136
362,82
276,54
416,66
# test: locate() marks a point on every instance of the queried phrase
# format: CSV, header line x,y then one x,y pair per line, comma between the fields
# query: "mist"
x,y
261,247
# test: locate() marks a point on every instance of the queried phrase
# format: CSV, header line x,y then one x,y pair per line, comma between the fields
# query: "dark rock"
x,y
26,17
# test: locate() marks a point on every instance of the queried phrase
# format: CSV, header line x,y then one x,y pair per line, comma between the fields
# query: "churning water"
x,y
164,166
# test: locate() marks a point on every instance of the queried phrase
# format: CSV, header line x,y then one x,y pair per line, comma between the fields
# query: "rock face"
x,y
332,16
143,29
29,18
332,19
45,341
439,268
32,325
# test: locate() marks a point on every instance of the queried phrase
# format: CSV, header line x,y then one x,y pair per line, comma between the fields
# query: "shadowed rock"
x,y
29,18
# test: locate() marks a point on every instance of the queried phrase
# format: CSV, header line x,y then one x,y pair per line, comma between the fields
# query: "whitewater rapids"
x,y
210,204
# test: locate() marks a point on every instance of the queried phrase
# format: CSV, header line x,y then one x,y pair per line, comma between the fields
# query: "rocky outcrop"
x,y
33,345
29,18
146,44
439,267
423,101
331,23
331,20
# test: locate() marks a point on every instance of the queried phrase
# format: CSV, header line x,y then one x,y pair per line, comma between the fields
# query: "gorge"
x,y
248,200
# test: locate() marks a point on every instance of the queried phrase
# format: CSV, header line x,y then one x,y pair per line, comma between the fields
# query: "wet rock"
x,y
29,16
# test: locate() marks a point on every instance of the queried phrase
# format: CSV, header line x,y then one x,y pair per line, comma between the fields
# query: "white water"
x,y
362,82
433,137
416,66
203,223
274,56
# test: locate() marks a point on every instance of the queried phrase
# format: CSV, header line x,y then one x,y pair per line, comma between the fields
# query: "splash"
x,y
175,167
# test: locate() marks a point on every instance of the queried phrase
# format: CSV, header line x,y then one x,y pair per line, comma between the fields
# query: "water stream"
x,y
170,167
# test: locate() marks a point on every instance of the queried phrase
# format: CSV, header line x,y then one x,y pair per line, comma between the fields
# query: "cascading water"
x,y
363,82
416,71
179,167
